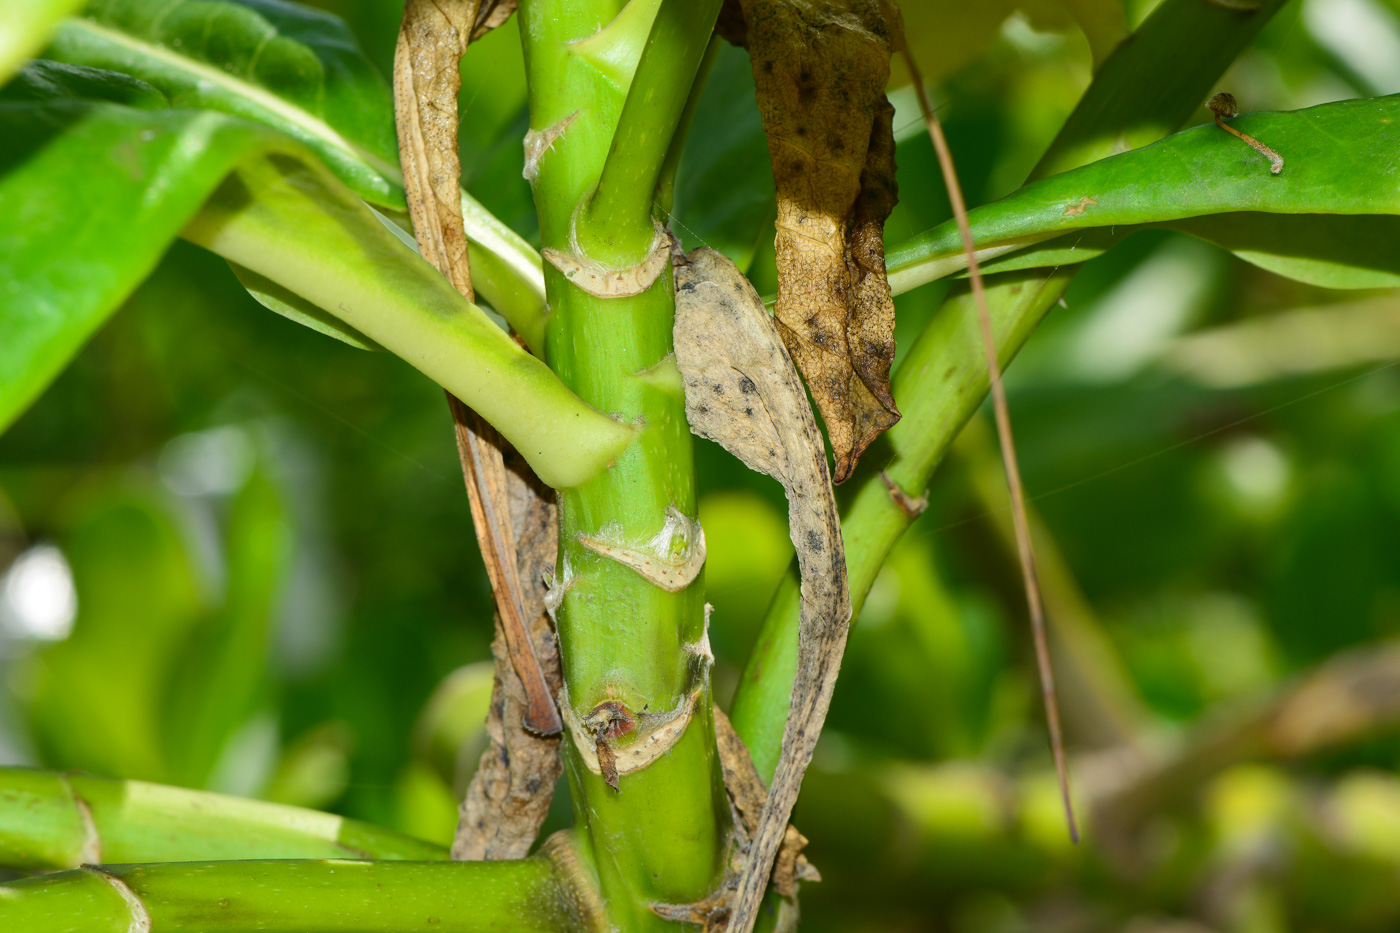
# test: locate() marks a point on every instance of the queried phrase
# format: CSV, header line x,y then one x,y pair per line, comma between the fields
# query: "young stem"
x,y
624,640
291,224
291,896
616,225
1143,91
52,821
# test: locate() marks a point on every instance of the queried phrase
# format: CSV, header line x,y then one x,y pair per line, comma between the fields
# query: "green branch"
x,y
347,122
654,832
1206,183
327,896
50,821
616,225
943,379
287,221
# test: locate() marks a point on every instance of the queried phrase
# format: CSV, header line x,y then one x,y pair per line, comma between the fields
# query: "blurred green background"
x,y
237,555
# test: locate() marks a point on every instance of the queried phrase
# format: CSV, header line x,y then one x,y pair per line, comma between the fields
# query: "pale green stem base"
x,y
328,896
51,821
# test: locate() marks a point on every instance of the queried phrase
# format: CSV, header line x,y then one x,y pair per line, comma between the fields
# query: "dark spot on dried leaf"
x,y
825,63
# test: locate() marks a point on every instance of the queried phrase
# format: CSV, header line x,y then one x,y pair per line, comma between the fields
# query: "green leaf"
x,y
266,203
83,220
54,81
1327,250
299,71
1339,184
25,25
288,67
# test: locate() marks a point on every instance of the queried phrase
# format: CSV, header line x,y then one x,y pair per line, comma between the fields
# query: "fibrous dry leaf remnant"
x,y
515,521
432,40
742,391
820,67
514,782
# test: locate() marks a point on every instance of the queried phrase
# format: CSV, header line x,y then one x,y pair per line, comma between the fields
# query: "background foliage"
x,y
275,591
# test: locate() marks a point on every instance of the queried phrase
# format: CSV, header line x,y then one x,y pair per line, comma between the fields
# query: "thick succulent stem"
x,y
630,599
287,896
50,821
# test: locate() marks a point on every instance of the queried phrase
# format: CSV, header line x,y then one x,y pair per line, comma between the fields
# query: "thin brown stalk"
x,y
483,466
509,795
1008,448
426,83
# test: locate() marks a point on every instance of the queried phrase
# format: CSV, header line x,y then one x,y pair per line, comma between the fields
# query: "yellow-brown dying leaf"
x,y
820,67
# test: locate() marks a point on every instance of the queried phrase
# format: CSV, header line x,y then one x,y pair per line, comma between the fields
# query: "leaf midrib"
x,y
312,125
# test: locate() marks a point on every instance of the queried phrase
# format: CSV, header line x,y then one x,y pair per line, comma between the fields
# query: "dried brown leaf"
x,y
490,14
510,793
432,40
820,67
488,488
746,797
515,524
742,391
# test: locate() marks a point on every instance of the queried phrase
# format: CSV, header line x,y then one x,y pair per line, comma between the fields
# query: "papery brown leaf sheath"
x,y
432,39
820,67
743,392
510,793
494,502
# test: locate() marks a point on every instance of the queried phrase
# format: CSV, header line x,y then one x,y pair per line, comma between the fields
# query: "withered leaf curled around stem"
x,y
509,796
492,500
820,67
432,40
742,391
510,793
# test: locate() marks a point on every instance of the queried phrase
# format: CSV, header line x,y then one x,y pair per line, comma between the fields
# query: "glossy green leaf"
x,y
1339,184
299,71
1328,250
83,221
285,66
25,25
45,80
274,210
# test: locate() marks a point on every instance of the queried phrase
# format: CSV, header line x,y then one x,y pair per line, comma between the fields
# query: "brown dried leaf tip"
x,y
820,67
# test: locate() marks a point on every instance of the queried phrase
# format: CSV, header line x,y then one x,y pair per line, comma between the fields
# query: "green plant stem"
x,y
615,227
286,222
943,379
50,821
326,896
666,184
25,25
660,838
